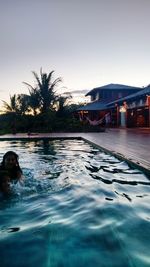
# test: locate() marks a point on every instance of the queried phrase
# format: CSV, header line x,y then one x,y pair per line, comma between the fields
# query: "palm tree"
x,y
33,99
12,110
62,104
23,104
19,104
44,93
13,106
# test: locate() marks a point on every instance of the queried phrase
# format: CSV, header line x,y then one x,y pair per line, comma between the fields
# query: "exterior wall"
x,y
137,112
137,103
110,95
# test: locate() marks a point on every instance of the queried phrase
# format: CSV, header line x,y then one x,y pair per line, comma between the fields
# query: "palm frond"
x,y
29,85
37,79
58,80
49,77
6,106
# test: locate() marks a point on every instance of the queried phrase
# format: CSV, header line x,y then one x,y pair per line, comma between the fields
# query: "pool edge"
x,y
132,162
120,156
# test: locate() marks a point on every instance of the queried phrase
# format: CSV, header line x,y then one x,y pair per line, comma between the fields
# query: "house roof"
x,y
145,91
97,105
112,86
100,105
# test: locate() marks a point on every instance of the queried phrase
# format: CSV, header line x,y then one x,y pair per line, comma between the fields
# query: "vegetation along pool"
x,y
78,207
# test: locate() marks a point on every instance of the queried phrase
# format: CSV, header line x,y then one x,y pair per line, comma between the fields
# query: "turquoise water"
x,y
78,207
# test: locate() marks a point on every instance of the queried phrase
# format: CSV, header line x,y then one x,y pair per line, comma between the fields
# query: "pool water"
x,y
78,207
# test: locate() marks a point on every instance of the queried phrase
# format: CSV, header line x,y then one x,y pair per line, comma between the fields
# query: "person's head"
x,y
10,160
4,182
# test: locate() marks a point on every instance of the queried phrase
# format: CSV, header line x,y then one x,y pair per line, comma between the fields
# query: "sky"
x,y
89,43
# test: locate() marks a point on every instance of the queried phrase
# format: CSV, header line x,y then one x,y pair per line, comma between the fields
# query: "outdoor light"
x,y
122,109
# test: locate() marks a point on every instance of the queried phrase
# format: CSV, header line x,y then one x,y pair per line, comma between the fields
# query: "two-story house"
x,y
103,102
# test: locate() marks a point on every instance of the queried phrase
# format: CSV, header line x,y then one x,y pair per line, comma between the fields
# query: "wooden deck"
x,y
132,145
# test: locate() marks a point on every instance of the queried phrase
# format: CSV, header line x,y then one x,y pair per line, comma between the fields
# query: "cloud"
x,y
84,91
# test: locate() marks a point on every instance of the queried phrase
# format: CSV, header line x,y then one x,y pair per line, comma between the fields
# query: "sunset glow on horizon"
x,y
87,43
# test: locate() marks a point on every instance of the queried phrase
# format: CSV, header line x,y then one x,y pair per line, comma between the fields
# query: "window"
x,y
120,95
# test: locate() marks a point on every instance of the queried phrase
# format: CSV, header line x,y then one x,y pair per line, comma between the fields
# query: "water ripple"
x,y
78,207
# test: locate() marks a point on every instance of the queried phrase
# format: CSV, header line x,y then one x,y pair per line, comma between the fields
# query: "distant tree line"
x,y
42,110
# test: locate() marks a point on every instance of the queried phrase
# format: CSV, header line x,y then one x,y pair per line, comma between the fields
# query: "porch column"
x,y
148,103
149,115
117,111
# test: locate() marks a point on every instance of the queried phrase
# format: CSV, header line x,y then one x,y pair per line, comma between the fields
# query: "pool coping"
x,y
118,155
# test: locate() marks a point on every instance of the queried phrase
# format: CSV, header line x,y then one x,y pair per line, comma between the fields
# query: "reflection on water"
x,y
78,207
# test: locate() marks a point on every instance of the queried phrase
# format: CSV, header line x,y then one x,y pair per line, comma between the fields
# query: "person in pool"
x,y
4,183
10,164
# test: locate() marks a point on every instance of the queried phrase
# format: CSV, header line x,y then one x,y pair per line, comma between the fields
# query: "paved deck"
x,y
131,144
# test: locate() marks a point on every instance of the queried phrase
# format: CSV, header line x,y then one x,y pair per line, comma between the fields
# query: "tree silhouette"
x,y
43,93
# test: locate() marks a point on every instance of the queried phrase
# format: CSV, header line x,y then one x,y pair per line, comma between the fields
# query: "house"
x,y
133,110
104,101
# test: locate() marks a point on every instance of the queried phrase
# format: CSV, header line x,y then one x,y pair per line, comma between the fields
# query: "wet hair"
x,y
3,175
15,168
4,182
10,153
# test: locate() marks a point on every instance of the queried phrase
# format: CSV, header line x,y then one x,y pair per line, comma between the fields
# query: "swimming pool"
x,y
79,207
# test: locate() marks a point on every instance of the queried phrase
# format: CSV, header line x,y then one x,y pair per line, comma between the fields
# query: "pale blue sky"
x,y
89,43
